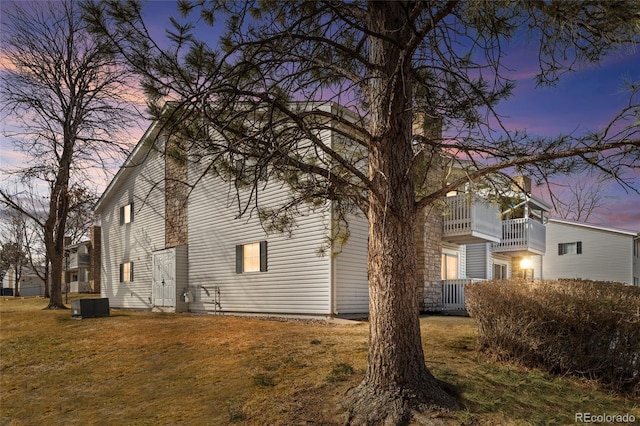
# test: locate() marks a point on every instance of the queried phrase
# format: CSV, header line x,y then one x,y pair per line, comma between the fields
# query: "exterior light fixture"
x,y
526,265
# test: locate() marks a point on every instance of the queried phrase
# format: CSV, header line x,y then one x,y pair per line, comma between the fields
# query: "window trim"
x,y
123,218
443,264
122,272
240,264
504,267
562,248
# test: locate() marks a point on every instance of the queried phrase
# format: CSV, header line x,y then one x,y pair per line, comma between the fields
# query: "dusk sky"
x,y
582,101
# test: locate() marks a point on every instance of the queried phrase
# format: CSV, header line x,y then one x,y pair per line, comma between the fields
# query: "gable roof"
x,y
136,158
147,143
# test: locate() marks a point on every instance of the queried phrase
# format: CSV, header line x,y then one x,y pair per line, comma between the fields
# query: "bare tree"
x,y
32,202
13,244
66,97
582,198
80,219
253,107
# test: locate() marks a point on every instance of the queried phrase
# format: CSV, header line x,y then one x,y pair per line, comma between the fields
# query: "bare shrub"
x,y
584,328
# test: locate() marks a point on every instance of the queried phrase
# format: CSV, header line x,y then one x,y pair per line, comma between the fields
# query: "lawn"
x,y
141,368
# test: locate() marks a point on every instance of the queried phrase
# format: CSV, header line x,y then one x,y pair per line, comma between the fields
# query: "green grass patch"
x,y
340,372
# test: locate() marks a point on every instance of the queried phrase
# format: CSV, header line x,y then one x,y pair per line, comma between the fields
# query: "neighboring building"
x,y
81,269
30,283
164,250
584,251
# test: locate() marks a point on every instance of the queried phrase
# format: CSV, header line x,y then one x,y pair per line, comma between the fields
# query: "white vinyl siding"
x,y
606,255
350,270
298,278
293,277
141,185
478,260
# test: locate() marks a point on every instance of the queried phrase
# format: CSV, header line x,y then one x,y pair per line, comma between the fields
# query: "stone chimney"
x,y
428,173
522,184
176,194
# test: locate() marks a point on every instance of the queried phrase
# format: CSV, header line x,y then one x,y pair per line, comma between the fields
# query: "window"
x,y
570,248
636,248
251,257
449,269
126,214
126,272
499,271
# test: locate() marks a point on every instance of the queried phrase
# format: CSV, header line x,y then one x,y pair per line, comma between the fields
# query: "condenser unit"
x,y
90,308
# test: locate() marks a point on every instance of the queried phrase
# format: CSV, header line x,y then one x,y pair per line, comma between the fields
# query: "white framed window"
x,y
251,257
570,248
449,267
126,214
500,271
126,272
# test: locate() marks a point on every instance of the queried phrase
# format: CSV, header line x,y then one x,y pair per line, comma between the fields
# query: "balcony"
x,y
471,219
522,237
78,261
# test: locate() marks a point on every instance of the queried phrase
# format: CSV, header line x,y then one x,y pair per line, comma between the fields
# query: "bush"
x,y
584,328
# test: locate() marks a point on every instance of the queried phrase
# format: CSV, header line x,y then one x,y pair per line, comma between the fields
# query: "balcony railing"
x,y
79,287
453,293
471,219
522,237
78,260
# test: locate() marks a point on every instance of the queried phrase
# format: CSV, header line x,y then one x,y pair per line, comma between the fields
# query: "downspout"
x,y
332,283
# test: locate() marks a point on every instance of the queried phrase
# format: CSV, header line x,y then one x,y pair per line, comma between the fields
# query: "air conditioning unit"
x,y
90,308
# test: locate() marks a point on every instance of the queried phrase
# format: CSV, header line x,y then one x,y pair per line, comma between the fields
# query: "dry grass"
x,y
138,368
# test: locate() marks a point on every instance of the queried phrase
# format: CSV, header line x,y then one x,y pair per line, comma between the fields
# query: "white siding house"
x,y
131,212
585,251
222,262
30,283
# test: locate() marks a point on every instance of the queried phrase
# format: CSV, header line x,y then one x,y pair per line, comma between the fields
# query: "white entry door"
x,y
164,280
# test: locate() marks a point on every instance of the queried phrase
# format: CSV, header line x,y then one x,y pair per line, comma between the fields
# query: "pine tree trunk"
x,y
397,385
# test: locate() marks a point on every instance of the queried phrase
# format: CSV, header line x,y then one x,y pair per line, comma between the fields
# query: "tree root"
x,y
51,307
431,404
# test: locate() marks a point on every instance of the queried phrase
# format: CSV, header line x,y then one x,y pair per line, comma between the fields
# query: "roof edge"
x,y
598,227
